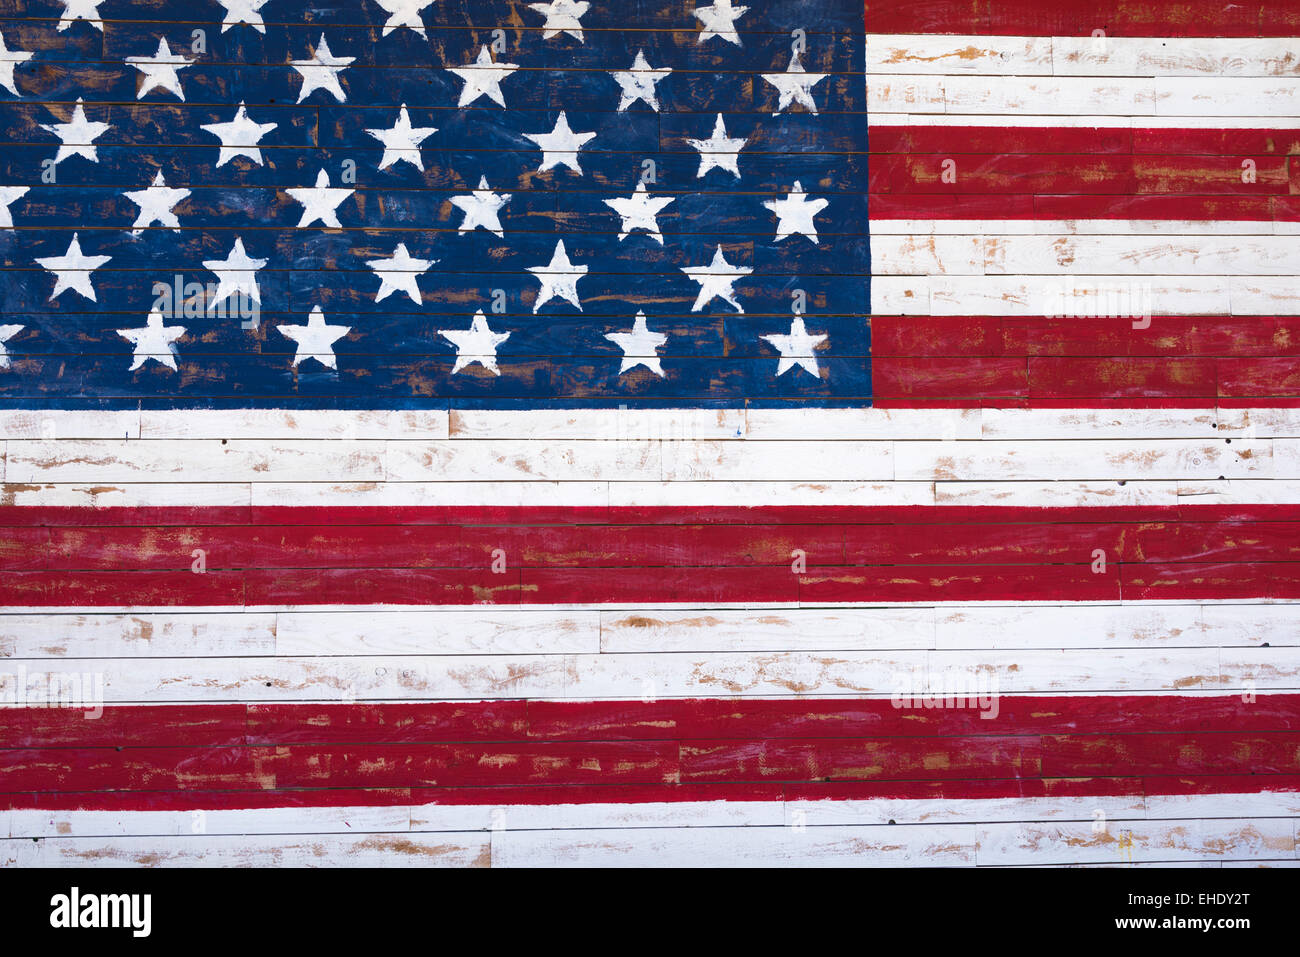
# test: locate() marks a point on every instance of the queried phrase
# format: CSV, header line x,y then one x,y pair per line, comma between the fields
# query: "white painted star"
x,y
315,340
478,344
87,10
78,135
719,150
638,82
402,142
795,86
719,19
482,208
559,278
716,279
796,213
404,13
796,348
8,60
562,16
639,211
243,11
560,146
322,71
483,78
236,274
239,137
640,346
9,194
399,274
72,270
7,333
160,71
154,341
156,204
320,201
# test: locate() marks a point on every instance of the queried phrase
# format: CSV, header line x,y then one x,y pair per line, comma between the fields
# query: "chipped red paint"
x,y
1159,18
329,557
545,752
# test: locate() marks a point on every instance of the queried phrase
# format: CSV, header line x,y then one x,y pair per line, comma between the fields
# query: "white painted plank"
x,y
759,494
757,424
149,635
191,460
943,845
345,425
430,494
1082,296
800,629
984,55
1033,424
59,424
1259,423
402,849
1000,626
1185,97
1058,494
830,425
927,97
925,254
1227,96
126,495
1159,459
1135,841
435,631
676,675
622,424
949,54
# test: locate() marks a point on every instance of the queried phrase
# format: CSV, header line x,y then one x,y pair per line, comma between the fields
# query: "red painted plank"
x,y
985,206
1102,177
1135,18
1210,580
1125,377
1190,143
706,749
976,377
881,759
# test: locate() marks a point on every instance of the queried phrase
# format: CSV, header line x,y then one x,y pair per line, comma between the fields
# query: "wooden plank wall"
x,y
652,680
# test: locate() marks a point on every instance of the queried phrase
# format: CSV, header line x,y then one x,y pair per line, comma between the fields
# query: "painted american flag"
x,y
655,432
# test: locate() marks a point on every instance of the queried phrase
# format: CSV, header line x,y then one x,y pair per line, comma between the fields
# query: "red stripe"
x,y
1066,173
327,556
1149,143
1149,18
1055,173
1184,361
687,749
1011,205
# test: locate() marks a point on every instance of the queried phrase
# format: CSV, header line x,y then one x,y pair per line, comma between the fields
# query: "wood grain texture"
x,y
714,580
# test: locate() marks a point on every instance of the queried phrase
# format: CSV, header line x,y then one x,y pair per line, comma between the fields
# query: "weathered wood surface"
x,y
692,652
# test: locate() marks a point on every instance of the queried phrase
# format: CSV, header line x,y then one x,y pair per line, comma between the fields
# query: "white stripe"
x,y
882,832
912,116
386,630
1068,255
1199,101
686,465
1081,56
674,425
661,675
1049,493
1084,295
